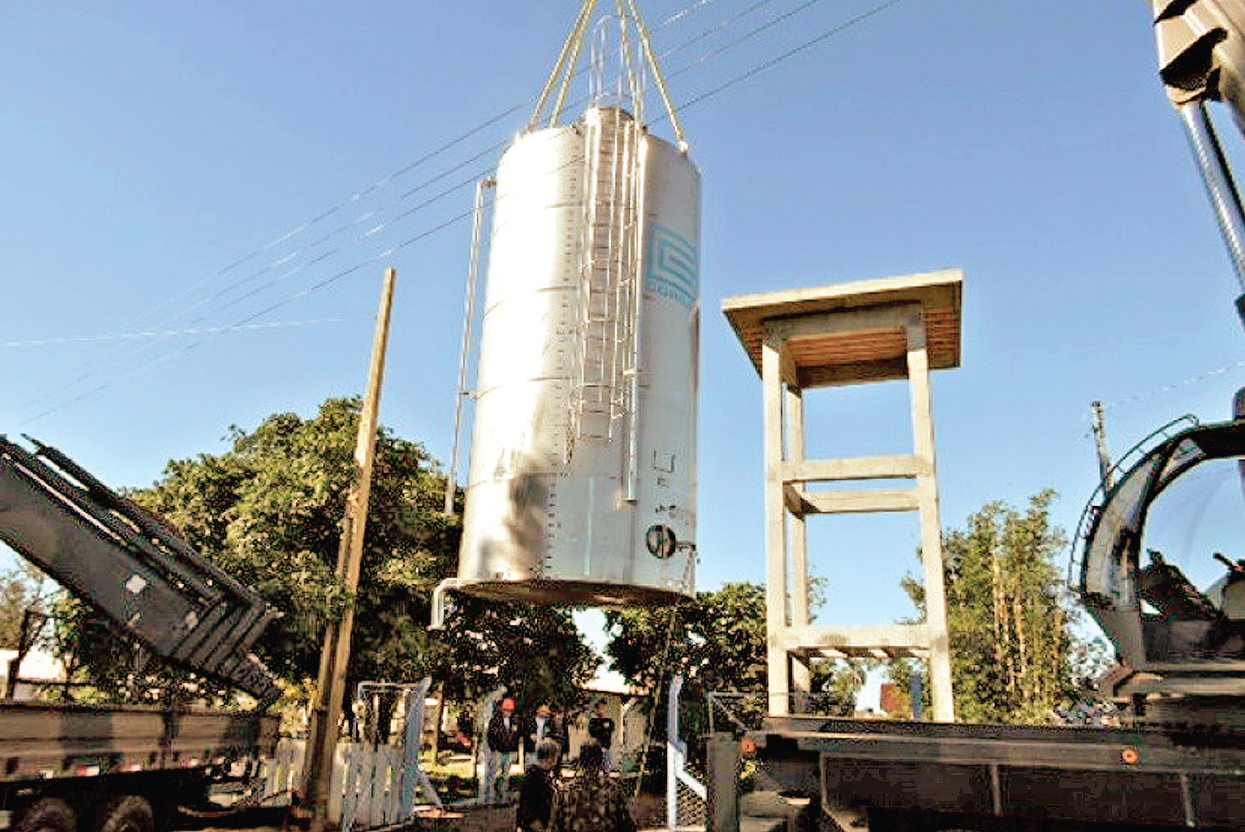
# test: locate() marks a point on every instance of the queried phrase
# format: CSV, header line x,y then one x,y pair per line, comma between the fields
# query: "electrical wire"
x,y
340,204
769,24
250,318
138,353
1169,388
720,26
358,266
443,148
384,181
759,68
179,317
378,184
221,294
682,13
138,335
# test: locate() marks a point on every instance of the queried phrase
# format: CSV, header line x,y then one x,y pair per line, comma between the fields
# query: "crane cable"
x,y
564,68
671,110
572,44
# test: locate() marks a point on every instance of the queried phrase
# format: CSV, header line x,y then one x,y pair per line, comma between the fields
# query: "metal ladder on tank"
x,y
604,394
607,355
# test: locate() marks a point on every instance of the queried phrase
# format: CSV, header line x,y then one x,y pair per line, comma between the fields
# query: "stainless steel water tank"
x,y
583,456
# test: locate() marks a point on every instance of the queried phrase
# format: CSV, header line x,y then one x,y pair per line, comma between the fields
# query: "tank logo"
x,y
673,266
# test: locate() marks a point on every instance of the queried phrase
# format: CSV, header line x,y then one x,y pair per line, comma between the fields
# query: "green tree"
x,y
269,513
1015,650
534,651
22,588
717,641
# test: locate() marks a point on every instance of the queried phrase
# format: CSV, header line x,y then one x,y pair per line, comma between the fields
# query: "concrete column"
x,y
930,519
801,674
723,764
775,525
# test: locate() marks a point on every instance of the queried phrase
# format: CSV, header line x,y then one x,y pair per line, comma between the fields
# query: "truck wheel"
x,y
126,814
48,815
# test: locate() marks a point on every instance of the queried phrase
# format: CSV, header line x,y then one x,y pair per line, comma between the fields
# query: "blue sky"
x,y
198,202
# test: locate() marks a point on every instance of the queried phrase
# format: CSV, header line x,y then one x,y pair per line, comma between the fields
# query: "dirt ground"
x,y
648,811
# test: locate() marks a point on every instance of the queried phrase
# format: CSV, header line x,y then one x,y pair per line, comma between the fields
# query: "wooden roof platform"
x,y
855,355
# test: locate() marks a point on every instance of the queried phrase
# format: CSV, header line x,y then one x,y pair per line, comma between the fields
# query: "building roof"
x,y
611,681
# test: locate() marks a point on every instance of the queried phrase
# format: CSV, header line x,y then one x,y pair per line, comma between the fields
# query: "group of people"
x,y
507,731
591,800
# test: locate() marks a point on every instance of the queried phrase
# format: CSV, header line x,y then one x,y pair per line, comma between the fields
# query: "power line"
x,y
380,227
718,27
169,321
1169,388
340,204
160,333
750,34
343,273
682,13
339,275
383,182
446,146
759,68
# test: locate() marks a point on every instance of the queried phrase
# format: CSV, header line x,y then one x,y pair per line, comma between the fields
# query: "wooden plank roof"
x,y
856,355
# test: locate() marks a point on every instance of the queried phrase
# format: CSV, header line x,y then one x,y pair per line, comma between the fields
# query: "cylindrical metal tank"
x,y
582,479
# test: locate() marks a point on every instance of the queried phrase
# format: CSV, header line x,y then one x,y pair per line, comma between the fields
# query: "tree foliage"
x,y
533,651
22,588
269,513
718,643
1015,650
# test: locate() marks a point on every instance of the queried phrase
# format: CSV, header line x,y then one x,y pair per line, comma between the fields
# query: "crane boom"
x,y
1201,51
131,567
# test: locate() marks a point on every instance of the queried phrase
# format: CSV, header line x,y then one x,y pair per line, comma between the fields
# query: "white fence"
x,y
370,785
371,781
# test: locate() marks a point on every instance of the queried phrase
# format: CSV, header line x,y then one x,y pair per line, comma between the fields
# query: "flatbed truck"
x,y
888,775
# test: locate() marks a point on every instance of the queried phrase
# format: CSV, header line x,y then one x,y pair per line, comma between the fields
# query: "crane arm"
x,y
131,567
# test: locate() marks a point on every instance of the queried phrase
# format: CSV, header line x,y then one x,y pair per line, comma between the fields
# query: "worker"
x,y
536,794
540,727
601,729
591,801
502,740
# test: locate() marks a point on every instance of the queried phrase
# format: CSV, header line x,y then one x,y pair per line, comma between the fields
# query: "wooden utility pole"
x,y
335,655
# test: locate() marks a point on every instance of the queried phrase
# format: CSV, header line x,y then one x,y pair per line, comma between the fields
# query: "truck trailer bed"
x,y
922,774
40,742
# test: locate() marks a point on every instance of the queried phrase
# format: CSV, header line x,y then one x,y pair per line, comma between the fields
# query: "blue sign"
x,y
673,266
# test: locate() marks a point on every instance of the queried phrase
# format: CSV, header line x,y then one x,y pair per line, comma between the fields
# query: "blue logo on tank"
x,y
673,266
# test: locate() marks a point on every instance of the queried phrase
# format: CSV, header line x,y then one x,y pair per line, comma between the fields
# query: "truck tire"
x,y
126,814
48,814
